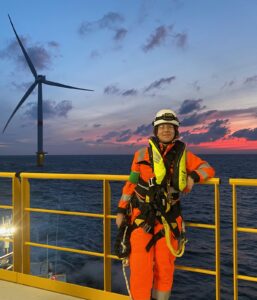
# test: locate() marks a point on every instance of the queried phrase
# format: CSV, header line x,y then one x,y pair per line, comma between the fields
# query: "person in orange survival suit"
x,y
151,194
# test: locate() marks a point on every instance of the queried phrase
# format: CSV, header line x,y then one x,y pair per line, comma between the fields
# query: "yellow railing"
x,y
23,265
216,228
239,182
16,215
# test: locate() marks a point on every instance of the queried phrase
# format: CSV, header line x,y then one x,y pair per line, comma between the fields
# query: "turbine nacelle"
x,y
41,78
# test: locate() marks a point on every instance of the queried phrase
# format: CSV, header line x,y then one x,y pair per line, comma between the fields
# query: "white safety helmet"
x,y
165,116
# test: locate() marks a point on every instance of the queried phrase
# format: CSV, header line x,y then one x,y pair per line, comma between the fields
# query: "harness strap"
x,y
154,239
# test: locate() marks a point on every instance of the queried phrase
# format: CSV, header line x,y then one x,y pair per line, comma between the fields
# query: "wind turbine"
x,y
39,80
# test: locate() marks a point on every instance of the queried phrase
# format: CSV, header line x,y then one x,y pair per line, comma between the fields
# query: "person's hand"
x,y
190,184
119,219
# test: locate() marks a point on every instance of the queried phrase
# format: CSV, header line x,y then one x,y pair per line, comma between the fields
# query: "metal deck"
x,y
14,291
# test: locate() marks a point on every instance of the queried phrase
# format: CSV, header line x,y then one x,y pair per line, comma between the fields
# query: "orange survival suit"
x,y
151,262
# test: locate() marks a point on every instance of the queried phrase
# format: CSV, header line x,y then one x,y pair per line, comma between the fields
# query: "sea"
x,y
87,234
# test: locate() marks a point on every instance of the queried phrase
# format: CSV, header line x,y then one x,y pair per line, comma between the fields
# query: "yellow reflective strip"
x,y
159,167
182,172
139,221
147,199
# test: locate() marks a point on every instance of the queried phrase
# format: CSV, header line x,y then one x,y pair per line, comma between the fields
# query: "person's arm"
x,y
128,191
198,170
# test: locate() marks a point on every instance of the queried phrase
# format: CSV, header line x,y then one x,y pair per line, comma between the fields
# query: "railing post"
x,y
17,224
107,234
25,201
235,270
217,240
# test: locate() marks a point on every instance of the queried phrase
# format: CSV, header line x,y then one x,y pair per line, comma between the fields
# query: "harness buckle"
x,y
146,227
151,182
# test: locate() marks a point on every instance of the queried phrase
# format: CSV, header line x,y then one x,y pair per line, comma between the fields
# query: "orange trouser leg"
x,y
141,265
164,264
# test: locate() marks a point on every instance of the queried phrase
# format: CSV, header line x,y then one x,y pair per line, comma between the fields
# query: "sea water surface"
x,y
86,233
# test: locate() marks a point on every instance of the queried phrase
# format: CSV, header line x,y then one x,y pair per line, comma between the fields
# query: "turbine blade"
x,y
29,91
64,85
31,66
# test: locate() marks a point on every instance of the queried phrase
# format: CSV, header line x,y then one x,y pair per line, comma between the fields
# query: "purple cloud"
x,y
39,55
250,80
180,40
190,105
144,130
157,38
111,90
159,83
248,134
215,131
198,118
110,21
50,109
120,34
131,92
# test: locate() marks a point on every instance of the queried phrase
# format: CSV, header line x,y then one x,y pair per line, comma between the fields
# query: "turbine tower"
x,y
39,80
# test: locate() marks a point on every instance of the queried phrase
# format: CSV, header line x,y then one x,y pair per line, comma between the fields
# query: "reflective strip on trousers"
x,y
159,295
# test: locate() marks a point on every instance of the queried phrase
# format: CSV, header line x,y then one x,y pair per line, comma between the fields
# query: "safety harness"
x,y
158,198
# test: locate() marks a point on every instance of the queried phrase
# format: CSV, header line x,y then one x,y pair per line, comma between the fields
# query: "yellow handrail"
x,y
24,192
239,182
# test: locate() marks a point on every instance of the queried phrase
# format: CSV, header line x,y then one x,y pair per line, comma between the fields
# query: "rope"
x,y
182,244
125,262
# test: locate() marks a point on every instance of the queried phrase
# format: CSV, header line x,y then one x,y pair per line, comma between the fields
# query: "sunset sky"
x,y
196,57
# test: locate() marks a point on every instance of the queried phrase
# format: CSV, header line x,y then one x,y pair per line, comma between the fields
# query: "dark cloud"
x,y
114,90
94,54
131,92
110,21
53,44
120,34
163,33
50,109
215,131
110,135
248,134
124,135
97,125
198,118
159,83
78,140
228,84
252,79
180,40
127,134
196,86
190,105
22,86
144,130
157,38
111,90
39,55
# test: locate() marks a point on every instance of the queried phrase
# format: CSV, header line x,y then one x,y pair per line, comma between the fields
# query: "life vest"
x,y
175,159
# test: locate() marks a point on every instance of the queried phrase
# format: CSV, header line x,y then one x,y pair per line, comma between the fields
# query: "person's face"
x,y
165,133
